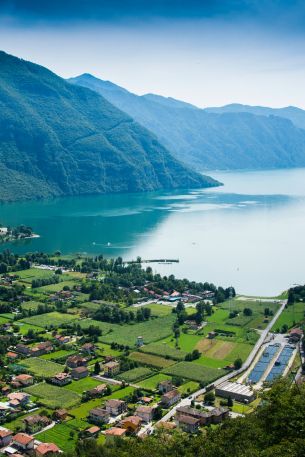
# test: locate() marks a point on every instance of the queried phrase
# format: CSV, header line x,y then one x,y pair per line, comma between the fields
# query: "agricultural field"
x,y
292,315
54,319
82,385
152,330
194,372
152,382
51,288
159,310
60,435
136,374
105,327
31,305
24,328
52,396
60,355
189,387
164,350
42,368
150,360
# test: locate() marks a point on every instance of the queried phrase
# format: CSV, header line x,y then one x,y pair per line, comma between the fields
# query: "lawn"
x,y
60,435
54,319
105,349
3,320
82,385
187,342
53,396
194,372
105,327
41,367
34,273
152,382
51,288
152,330
150,360
31,305
60,355
293,314
159,310
24,328
136,374
189,387
164,350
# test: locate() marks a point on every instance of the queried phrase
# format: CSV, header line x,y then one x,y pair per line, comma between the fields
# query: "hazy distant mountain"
x,y
61,139
231,139
295,115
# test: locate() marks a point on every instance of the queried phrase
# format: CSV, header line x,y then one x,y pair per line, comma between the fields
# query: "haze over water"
x,y
248,233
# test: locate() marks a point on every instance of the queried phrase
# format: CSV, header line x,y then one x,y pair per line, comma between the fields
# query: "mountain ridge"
x,y
59,139
221,139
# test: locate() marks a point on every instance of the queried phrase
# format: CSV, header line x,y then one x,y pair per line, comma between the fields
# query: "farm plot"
x,y
105,327
152,330
59,356
194,372
152,382
42,368
159,310
136,374
82,385
216,349
31,305
60,435
164,350
54,319
150,360
293,314
53,396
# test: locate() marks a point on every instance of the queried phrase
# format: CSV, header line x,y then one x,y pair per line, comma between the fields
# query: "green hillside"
x,y
227,138
60,139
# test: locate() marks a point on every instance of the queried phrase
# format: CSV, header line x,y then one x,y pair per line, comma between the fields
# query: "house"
x,y
115,432
62,339
93,432
219,414
5,390
204,417
22,380
79,373
36,423
131,423
188,424
12,356
88,348
295,334
46,449
23,442
22,349
165,386
145,413
75,361
5,437
42,348
116,407
20,397
97,391
111,369
99,416
61,379
170,398
61,414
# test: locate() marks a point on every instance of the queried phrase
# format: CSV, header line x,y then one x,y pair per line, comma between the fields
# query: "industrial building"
x,y
236,391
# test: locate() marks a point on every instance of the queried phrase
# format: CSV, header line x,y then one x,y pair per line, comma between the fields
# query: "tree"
x,y
230,402
97,368
209,397
238,363
248,312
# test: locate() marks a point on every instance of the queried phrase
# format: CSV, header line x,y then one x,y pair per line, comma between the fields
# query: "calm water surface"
x,y
249,233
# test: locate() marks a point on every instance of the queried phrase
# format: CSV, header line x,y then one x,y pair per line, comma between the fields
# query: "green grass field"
x,y
188,387
42,368
152,330
136,374
194,372
54,319
151,360
159,310
82,385
292,315
152,382
57,355
60,435
53,396
163,350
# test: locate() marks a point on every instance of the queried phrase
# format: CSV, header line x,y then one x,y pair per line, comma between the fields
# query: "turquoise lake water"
x,y
249,233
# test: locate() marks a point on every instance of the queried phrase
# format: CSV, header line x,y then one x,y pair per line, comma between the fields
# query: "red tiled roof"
x,y
44,448
23,438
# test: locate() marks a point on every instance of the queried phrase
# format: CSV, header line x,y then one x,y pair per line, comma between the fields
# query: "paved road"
x,y
260,341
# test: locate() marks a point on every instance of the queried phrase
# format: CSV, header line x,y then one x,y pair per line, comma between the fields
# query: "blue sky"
x,y
207,52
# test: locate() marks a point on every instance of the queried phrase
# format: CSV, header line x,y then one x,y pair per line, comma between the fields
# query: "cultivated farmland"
x,y
136,374
53,396
194,371
164,350
42,368
150,360
54,319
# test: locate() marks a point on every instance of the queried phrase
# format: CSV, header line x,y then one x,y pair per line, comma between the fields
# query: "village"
x,y
99,354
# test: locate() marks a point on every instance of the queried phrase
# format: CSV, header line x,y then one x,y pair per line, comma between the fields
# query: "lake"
x,y
248,233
